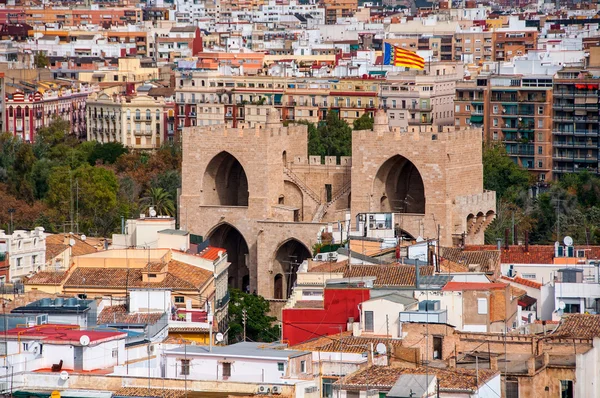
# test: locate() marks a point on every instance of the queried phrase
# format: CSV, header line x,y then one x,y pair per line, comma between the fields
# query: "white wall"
x,y
587,370
160,300
382,308
243,370
450,301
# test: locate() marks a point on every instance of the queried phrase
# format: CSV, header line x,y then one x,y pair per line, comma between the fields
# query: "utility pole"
x,y
11,211
558,202
244,317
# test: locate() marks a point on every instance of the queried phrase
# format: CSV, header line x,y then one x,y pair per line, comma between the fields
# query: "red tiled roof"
x,y
579,326
523,281
389,274
385,377
47,278
339,266
119,314
153,392
63,334
211,253
537,254
487,260
179,276
461,286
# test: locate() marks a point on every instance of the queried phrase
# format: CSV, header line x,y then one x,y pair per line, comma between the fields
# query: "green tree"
x,y
501,174
365,122
92,189
40,60
107,153
259,326
161,200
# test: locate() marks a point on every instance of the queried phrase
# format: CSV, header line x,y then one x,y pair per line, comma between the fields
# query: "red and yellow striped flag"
x,y
400,57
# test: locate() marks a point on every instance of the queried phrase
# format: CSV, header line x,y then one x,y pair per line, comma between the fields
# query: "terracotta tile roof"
x,y
385,377
309,304
153,392
579,326
389,274
537,254
53,250
79,249
119,314
348,343
340,266
461,286
488,260
515,292
180,276
211,253
47,278
522,281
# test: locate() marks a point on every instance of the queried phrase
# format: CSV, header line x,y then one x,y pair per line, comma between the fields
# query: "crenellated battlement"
x,y
244,129
480,199
323,161
434,134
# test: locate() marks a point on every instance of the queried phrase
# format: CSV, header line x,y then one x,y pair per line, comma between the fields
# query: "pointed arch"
x,y
225,182
398,187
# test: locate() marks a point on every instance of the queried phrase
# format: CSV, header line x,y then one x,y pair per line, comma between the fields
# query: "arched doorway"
x,y
225,182
399,187
288,258
226,236
278,287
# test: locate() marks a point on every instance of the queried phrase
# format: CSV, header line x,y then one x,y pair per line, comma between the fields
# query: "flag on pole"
x,y
397,56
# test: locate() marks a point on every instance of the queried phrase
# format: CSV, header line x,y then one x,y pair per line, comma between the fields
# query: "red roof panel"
x,y
63,334
211,253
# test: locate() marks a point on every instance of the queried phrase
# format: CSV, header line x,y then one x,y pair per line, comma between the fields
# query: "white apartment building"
x,y
26,253
136,121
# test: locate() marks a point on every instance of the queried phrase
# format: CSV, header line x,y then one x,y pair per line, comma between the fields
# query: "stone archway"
x,y
225,182
229,238
288,256
398,187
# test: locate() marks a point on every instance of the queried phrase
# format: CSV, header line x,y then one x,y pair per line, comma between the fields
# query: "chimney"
x,y
499,243
506,233
452,362
526,241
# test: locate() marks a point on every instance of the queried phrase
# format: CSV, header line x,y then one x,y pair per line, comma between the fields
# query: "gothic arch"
x,y
287,257
228,237
398,187
225,182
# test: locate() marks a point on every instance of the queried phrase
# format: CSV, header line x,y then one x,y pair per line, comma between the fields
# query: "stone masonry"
x,y
257,193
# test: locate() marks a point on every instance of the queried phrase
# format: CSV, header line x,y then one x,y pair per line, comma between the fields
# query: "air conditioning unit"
x,y
264,390
380,226
4,386
276,390
371,225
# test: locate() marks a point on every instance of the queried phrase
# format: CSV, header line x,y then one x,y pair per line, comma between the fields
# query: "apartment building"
x,y
78,16
514,40
206,97
31,106
136,121
338,9
422,98
515,110
474,46
26,253
575,121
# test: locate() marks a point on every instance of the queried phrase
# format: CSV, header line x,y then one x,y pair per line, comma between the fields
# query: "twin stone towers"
x,y
254,191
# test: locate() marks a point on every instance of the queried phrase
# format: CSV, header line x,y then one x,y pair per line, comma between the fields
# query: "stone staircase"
x,y
305,188
322,210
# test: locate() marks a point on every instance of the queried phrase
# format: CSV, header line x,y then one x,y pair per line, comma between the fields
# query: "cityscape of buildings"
x,y
284,270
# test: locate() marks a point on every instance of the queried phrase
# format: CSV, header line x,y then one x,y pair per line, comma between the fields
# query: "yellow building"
x,y
130,70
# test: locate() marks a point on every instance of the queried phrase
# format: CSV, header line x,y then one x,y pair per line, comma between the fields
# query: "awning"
x,y
477,119
98,74
377,72
527,301
278,97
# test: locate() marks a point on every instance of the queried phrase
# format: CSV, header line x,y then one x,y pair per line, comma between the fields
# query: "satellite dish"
x,y
561,305
219,337
381,348
152,213
84,340
568,241
71,242
64,375
83,237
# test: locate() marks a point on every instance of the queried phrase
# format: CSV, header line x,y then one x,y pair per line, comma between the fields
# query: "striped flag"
x,y
400,57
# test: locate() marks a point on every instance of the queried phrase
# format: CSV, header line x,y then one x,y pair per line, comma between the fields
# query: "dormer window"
x,y
151,275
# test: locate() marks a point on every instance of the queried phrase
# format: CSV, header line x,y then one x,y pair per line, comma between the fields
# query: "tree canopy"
x,y
259,326
44,180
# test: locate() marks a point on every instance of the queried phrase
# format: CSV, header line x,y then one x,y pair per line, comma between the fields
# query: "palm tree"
x,y
161,201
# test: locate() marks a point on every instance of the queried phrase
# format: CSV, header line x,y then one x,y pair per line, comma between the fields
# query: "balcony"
x,y
432,316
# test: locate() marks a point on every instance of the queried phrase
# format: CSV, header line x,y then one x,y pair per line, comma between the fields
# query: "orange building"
x,y
105,17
